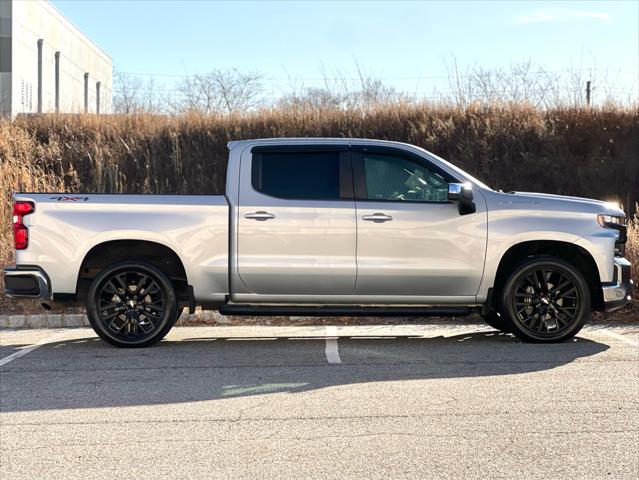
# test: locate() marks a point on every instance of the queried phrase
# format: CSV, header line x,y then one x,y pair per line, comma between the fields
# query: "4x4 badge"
x,y
69,199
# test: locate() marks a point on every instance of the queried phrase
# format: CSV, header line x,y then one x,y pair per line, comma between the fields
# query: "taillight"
x,y
20,231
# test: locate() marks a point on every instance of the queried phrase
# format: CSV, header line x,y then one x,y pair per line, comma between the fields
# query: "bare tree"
x,y
220,91
126,93
522,82
373,91
525,82
312,98
132,95
341,91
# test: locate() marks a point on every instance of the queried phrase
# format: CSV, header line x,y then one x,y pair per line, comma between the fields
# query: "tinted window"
x,y
390,177
297,175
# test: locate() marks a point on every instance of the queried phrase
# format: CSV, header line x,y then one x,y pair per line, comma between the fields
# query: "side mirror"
x,y
462,193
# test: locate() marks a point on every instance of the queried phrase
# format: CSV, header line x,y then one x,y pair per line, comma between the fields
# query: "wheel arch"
x,y
579,257
108,252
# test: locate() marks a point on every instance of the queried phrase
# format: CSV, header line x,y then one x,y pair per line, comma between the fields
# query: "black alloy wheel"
x,y
546,300
132,304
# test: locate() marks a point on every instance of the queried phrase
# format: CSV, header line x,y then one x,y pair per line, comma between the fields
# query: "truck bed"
x,y
65,227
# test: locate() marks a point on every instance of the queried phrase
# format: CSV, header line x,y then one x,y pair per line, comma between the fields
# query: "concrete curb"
x,y
199,318
213,318
57,320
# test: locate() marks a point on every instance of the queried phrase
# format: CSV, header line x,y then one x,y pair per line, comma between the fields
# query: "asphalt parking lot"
x,y
427,401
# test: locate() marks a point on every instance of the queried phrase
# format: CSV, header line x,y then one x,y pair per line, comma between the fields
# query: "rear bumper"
x,y
26,282
618,293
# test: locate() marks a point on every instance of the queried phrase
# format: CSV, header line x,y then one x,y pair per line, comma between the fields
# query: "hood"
x,y
547,201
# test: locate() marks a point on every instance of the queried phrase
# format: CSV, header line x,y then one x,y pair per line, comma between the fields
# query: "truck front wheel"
x,y
132,304
546,299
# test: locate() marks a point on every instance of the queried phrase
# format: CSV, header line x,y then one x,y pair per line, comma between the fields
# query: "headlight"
x,y
617,223
610,221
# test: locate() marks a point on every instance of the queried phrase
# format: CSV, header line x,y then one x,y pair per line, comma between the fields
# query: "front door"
x,y
297,225
410,239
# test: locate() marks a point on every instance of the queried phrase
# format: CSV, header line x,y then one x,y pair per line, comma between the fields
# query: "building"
x,y
47,64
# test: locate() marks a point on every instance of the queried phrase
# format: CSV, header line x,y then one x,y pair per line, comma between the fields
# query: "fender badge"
x,y
69,199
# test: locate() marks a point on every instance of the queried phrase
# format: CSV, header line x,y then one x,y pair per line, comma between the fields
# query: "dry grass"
x,y
21,168
632,252
572,151
632,247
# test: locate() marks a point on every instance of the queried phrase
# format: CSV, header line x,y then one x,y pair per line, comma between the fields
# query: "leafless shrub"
x,y
632,247
342,92
219,91
527,83
133,95
233,91
522,83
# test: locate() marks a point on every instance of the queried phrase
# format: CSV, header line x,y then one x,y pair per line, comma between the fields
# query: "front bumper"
x,y
618,292
26,282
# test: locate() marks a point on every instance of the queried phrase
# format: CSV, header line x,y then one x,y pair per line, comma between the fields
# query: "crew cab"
x,y
324,226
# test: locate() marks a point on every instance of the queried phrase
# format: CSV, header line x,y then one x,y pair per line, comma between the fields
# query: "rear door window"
x,y
297,175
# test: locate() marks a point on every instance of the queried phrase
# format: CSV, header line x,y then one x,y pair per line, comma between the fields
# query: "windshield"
x,y
462,172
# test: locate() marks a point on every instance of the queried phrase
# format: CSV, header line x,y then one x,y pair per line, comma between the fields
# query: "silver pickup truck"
x,y
324,226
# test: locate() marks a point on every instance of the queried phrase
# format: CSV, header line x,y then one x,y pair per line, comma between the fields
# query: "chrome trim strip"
x,y
354,300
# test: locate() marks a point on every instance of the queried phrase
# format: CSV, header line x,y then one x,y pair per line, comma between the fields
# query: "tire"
x,y
545,300
132,304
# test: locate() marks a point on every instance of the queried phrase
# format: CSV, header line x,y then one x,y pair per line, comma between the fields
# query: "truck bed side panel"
x,y
64,228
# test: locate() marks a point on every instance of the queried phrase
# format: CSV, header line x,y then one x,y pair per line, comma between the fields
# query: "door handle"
x,y
377,218
260,216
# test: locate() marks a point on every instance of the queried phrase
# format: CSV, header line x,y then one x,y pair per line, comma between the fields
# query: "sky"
x,y
409,45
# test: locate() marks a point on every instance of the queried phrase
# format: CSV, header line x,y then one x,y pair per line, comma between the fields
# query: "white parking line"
x,y
30,348
332,351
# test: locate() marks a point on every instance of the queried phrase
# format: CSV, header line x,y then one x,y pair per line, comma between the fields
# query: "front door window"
x,y
390,177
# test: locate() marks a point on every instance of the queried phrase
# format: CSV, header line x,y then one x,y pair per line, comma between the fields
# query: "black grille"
x,y
620,244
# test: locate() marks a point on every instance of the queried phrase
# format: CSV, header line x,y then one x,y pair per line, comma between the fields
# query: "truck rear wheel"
x,y
132,304
546,299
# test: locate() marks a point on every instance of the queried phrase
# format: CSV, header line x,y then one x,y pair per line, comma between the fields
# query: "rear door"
x,y
297,225
411,240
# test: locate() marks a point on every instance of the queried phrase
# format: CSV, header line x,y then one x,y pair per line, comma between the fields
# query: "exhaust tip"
x,y
46,306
